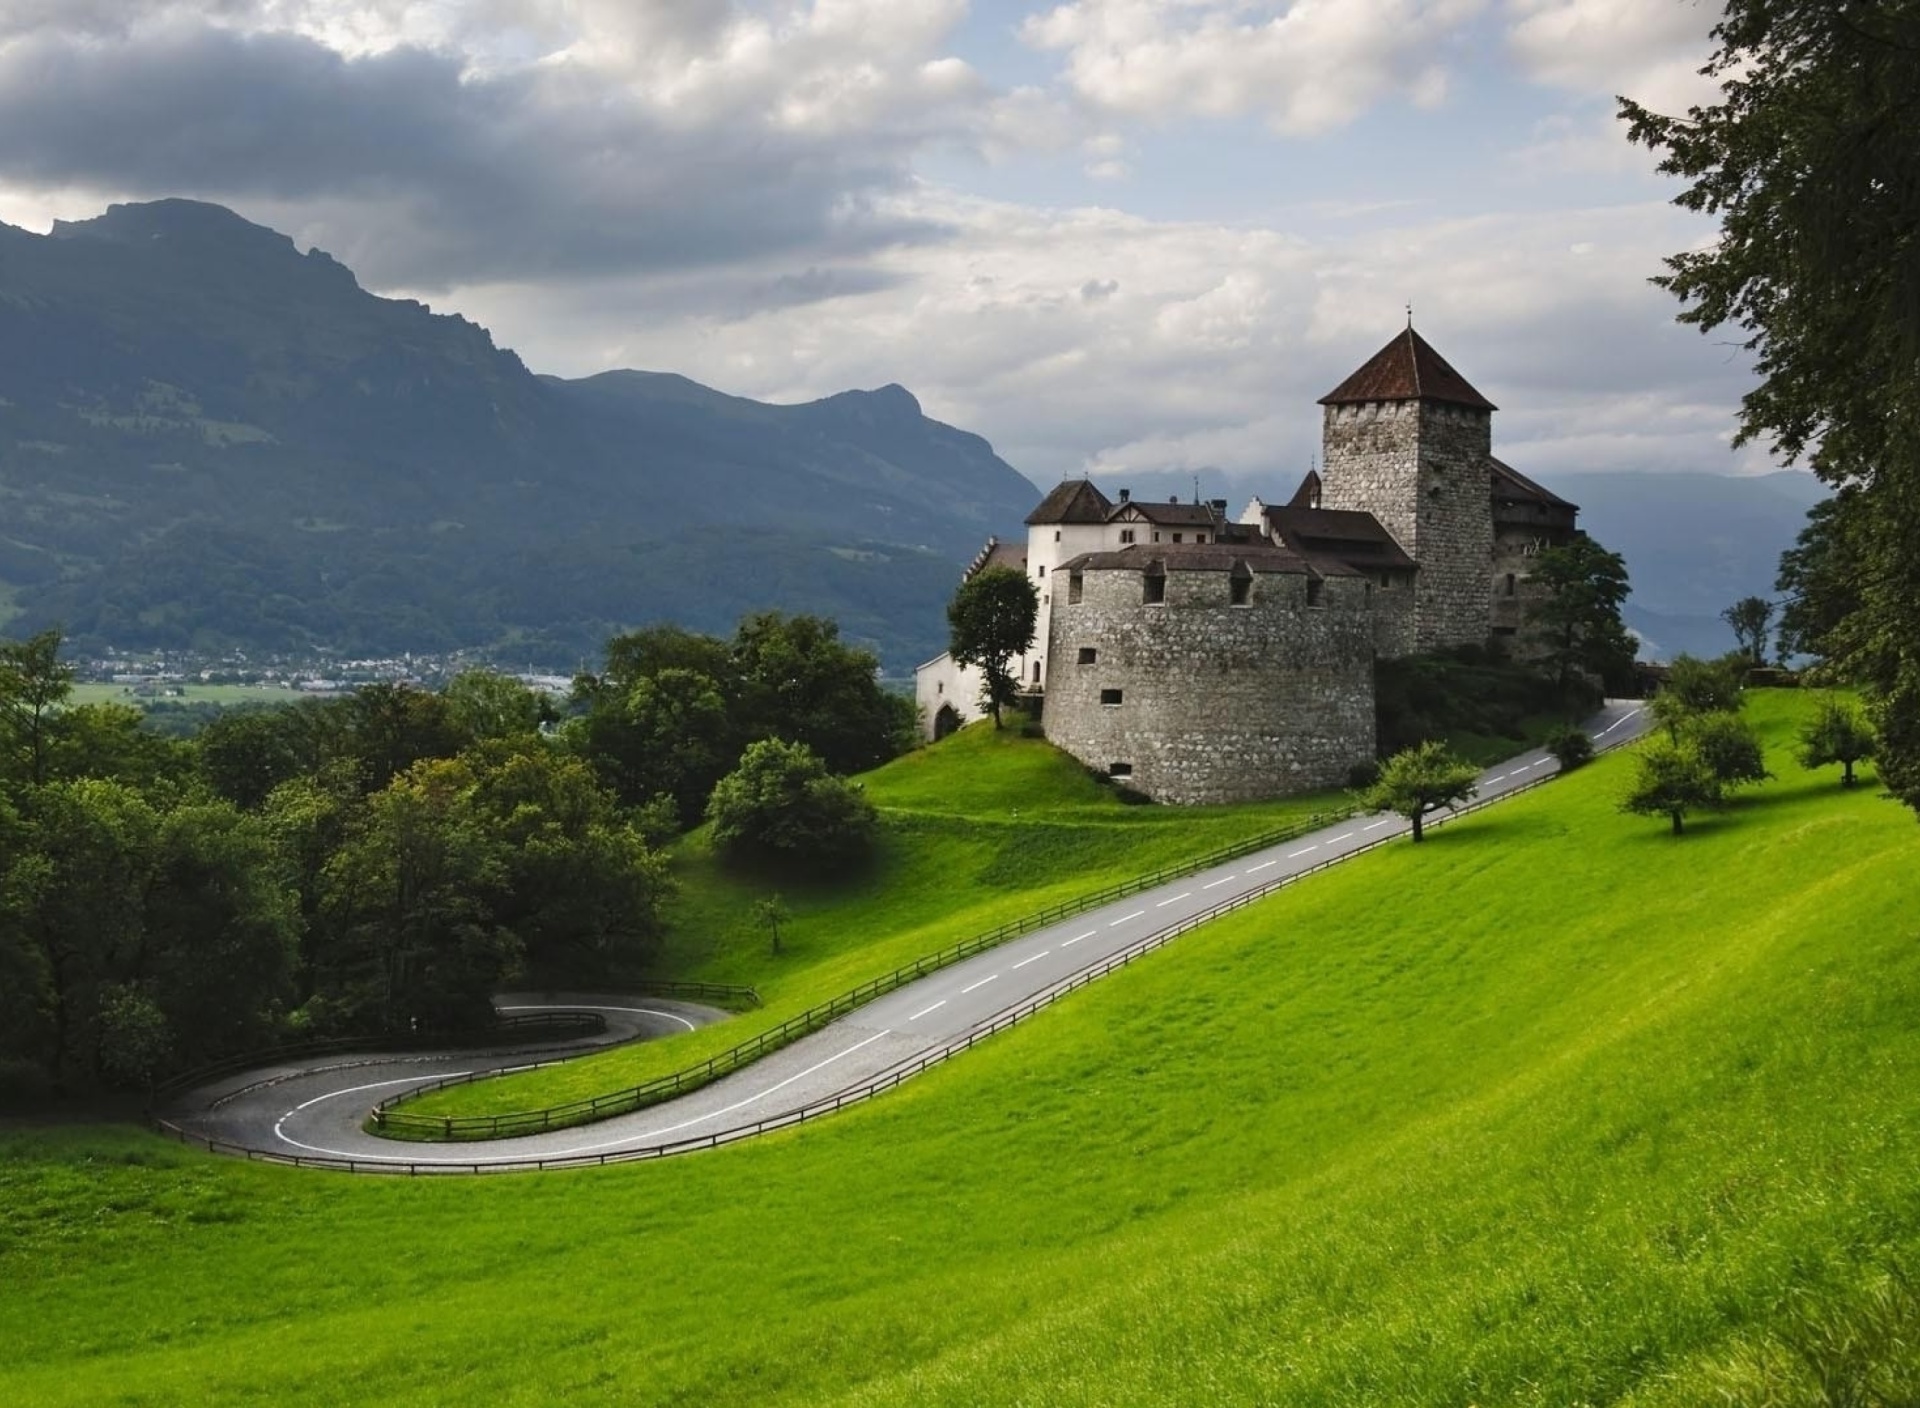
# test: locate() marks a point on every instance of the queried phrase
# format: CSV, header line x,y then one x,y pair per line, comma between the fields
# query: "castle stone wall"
x,y
1218,703
1420,467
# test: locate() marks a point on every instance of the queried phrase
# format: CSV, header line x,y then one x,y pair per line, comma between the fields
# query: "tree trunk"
x,y
1416,825
1676,821
1846,778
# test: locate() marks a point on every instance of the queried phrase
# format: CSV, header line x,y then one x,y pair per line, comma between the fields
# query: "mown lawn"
x,y
980,829
1553,1109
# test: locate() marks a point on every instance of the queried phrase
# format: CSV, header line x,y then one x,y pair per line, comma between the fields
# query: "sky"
x,y
1115,237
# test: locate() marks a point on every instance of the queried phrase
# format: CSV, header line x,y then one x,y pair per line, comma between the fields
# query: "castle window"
x,y
940,687
1156,535
1043,569
1074,584
1199,537
1240,589
1056,535
1386,581
1119,769
1153,589
1314,587
1109,696
1036,672
1510,583
1126,535
1176,537
1088,655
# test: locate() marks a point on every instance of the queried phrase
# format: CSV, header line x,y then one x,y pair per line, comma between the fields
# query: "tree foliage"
x,y
991,618
781,807
1819,581
1578,622
1810,160
1728,746
1421,780
1673,780
1837,732
1751,620
1694,687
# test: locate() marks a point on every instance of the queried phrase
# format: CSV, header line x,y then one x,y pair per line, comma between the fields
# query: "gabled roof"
x,y
1407,369
1308,494
1071,501
996,554
1174,515
1510,483
1350,535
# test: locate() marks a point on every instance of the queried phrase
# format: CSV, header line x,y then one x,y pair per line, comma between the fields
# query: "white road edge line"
x,y
1077,937
1221,881
598,1007
1035,959
1183,895
982,983
1125,918
924,1010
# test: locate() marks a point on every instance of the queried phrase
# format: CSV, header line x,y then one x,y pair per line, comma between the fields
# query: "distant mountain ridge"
x,y
209,438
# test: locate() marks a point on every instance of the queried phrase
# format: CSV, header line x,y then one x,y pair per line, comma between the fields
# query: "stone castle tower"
x,y
1407,439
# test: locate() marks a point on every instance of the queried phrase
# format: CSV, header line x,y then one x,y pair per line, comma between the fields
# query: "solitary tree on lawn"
x,y
992,617
1420,780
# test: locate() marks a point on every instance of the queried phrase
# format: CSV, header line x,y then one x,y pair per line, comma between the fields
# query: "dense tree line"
x,y
387,860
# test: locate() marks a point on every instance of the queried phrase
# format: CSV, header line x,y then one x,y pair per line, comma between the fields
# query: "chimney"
x,y
1219,506
1173,498
1125,494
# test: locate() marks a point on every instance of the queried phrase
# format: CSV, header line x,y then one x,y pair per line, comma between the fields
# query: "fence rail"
x,y
725,993
391,1119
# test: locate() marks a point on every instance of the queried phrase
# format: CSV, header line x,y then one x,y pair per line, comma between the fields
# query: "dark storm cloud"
x,y
527,175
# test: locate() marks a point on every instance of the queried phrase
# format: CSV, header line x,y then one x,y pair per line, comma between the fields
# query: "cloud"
x,y
1306,67
578,139
1648,50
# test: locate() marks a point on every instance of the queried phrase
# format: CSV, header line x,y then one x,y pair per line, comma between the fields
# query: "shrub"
x,y
781,806
1570,747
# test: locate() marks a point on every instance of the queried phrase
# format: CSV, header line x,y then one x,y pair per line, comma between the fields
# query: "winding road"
x,y
314,1115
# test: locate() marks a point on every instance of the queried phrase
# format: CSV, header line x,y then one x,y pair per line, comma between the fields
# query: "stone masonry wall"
x,y
1217,703
1420,467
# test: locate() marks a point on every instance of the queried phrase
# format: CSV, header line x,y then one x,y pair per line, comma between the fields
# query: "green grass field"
x,y
980,829
189,694
1554,1109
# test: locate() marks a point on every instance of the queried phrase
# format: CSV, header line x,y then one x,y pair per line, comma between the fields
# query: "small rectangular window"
x,y
1036,672
1153,590
1314,585
1156,535
1242,589
1176,537
1199,537
1088,655
1510,583
1119,769
1126,535
1109,696
1074,583
1056,535
1043,569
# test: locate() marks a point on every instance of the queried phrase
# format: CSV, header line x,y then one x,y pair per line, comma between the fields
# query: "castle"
x,y
1200,658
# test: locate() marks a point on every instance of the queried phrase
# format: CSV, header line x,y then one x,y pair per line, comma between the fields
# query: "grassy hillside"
x,y
981,828
1554,1109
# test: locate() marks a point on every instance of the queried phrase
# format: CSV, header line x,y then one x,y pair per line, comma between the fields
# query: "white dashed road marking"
x,y
1183,895
1385,821
982,983
1262,866
1125,917
1077,937
1221,881
1035,959
924,1010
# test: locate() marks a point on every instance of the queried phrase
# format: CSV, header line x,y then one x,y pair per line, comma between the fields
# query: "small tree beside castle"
x,y
991,618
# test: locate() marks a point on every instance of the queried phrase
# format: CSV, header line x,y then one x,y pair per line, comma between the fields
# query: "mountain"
x,y
211,439
1694,545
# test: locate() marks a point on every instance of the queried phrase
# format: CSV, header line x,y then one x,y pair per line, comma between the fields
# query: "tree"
x,y
33,684
1671,779
1728,746
782,807
991,618
1838,732
1578,622
1810,159
1751,618
1419,780
800,682
486,705
1694,687
772,912
667,734
1819,581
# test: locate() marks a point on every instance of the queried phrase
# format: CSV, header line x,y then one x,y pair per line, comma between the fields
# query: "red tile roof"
x,y
1407,369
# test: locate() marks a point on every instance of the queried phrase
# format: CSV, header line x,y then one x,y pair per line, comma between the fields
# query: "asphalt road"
x,y
316,1114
